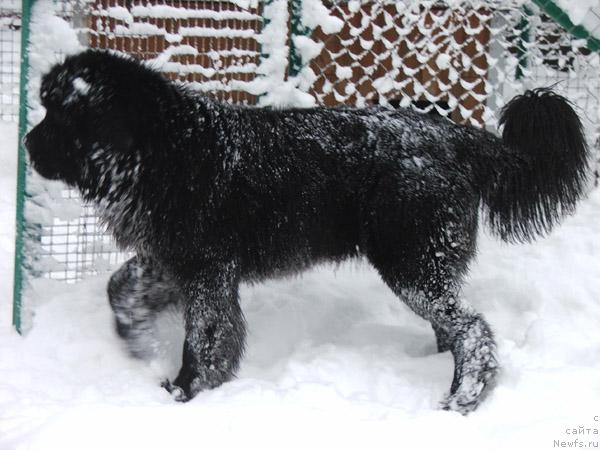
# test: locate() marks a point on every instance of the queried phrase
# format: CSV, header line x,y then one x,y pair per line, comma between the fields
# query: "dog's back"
x,y
310,185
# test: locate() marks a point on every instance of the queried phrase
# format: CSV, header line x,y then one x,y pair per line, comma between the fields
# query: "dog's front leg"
x,y
137,292
214,333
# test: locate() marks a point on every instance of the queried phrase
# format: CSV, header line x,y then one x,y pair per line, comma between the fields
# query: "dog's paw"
x,y
473,389
176,392
185,387
460,403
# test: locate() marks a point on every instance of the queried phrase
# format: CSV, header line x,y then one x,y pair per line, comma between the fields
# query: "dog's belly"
x,y
288,255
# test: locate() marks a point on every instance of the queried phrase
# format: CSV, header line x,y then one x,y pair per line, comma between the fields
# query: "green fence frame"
x,y
297,28
554,11
18,280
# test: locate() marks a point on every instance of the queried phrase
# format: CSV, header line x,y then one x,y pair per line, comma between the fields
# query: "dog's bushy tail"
x,y
543,172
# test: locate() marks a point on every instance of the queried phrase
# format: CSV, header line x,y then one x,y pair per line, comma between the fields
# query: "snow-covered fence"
x,y
213,45
10,49
460,58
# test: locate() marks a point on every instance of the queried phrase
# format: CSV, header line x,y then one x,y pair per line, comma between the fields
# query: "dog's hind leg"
x,y
459,329
424,265
214,331
442,339
137,292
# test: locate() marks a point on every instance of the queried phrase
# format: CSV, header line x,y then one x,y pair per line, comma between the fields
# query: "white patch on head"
x,y
81,86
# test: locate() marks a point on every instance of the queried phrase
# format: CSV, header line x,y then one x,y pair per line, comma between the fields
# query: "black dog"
x,y
210,195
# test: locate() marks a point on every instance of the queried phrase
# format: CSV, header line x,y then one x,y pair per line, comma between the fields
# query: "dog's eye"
x,y
56,115
44,99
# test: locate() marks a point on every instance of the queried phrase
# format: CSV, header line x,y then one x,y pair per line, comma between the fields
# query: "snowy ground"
x,y
333,360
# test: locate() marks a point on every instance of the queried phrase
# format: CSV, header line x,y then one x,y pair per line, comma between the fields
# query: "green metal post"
x,y
21,166
523,39
550,8
264,23
295,63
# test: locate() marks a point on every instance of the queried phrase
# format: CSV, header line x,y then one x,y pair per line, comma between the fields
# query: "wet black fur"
x,y
210,195
552,176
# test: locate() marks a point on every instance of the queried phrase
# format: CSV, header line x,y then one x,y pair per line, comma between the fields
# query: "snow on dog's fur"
x,y
210,194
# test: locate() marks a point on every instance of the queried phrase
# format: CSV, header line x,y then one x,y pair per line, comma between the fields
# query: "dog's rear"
x,y
527,180
538,173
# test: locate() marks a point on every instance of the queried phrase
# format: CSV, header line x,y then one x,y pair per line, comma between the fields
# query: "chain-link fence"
x,y
210,44
459,59
10,51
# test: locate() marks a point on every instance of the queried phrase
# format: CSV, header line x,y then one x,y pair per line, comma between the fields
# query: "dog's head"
x,y
93,102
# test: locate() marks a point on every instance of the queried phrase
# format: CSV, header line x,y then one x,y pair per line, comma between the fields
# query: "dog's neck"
x,y
113,177
112,184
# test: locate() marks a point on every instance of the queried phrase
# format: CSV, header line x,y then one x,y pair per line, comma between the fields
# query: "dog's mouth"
x,y
41,161
45,171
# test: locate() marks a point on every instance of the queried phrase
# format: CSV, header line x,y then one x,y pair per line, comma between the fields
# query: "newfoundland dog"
x,y
210,195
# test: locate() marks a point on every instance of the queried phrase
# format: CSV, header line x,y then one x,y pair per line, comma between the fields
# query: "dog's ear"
x,y
52,89
65,88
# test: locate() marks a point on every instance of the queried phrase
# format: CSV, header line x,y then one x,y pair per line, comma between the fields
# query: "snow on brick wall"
x,y
213,45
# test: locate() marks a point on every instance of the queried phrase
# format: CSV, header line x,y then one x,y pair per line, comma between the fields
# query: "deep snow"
x,y
333,359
